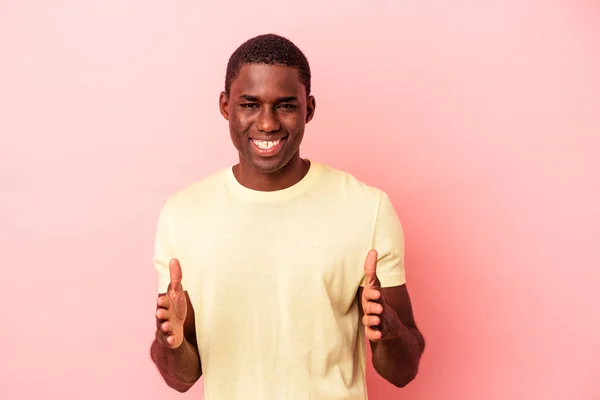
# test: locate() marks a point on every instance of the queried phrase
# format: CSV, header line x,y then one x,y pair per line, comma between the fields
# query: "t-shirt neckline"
x,y
295,190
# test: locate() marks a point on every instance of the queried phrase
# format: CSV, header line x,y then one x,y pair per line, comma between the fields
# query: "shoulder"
x,y
198,192
348,185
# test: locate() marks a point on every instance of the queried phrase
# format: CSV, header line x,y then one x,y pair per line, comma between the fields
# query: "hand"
x,y
380,319
171,310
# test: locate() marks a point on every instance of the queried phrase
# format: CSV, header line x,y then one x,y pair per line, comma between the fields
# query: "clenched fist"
x,y
171,310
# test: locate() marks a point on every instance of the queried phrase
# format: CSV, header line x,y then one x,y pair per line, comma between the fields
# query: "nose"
x,y
267,121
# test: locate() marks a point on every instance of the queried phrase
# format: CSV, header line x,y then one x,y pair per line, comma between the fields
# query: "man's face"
x,y
267,109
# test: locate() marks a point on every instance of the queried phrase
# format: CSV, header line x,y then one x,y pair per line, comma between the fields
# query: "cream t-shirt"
x,y
273,278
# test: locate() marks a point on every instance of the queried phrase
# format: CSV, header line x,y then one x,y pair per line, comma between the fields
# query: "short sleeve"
x,y
388,240
163,249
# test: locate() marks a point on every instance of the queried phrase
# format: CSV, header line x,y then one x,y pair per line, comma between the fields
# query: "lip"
x,y
267,152
268,139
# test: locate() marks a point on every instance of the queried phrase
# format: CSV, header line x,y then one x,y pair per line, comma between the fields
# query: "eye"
x,y
249,105
287,106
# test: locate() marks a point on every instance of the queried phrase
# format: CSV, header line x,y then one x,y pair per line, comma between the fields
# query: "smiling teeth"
x,y
265,144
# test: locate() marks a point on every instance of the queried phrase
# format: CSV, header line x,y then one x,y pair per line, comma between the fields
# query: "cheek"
x,y
293,123
237,124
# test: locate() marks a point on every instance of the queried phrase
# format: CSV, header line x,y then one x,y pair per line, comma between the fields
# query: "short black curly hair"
x,y
269,49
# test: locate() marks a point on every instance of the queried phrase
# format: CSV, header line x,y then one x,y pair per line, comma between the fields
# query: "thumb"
x,y
371,268
176,275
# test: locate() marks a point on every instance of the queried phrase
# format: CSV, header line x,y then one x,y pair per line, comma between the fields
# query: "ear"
x,y
224,105
310,108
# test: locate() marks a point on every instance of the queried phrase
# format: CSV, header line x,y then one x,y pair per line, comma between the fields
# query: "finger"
x,y
160,335
371,268
159,324
163,337
371,294
163,314
372,334
164,302
176,274
373,308
166,327
371,321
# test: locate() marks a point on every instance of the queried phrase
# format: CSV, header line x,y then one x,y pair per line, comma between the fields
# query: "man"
x,y
273,272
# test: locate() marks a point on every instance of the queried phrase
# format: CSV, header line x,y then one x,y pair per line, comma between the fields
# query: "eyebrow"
x,y
249,98
285,99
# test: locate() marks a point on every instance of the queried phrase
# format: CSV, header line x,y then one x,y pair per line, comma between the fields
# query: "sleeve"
x,y
388,240
163,249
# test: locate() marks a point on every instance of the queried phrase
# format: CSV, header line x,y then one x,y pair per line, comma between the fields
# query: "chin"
x,y
269,165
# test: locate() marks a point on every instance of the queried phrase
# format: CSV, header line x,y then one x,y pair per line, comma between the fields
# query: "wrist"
x,y
395,329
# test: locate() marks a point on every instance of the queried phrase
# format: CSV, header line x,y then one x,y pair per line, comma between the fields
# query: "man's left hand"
x,y
380,320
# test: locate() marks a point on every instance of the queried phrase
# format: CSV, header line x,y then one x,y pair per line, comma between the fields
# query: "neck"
x,y
283,178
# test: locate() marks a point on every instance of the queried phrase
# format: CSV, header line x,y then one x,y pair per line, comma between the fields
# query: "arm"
x,y
174,349
397,353
386,312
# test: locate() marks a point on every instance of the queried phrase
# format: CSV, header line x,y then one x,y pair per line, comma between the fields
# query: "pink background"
x,y
480,119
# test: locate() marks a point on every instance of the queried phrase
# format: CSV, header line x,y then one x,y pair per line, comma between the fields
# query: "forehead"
x,y
265,80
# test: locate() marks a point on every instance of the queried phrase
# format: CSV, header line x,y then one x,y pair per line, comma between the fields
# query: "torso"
x,y
273,279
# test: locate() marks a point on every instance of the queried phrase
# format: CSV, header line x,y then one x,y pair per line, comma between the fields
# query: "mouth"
x,y
267,148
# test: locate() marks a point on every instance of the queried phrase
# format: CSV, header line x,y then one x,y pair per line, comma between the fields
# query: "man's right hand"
x,y
172,310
